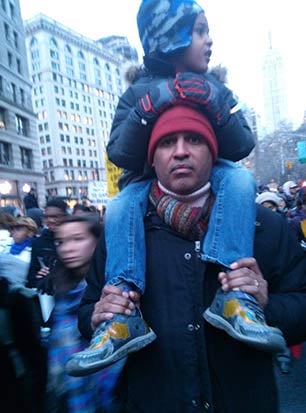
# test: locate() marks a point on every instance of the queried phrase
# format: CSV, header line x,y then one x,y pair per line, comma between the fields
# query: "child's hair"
x,y
57,203
6,220
81,207
91,219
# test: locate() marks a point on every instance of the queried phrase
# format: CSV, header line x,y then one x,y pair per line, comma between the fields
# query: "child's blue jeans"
x,y
230,233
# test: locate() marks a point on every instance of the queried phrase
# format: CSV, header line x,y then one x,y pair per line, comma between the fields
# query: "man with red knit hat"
x,y
192,366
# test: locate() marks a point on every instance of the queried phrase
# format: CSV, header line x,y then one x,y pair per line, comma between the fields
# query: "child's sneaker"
x,y
240,316
112,341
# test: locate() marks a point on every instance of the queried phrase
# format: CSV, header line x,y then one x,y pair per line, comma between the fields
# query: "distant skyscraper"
x,y
77,83
20,162
275,96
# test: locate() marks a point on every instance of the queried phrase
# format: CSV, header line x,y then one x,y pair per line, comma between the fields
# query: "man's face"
x,y
53,217
293,190
182,162
197,56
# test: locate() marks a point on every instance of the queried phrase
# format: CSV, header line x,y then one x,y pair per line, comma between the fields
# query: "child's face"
x,y
21,233
196,57
75,244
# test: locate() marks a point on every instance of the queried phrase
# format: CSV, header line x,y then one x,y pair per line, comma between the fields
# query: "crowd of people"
x,y
193,285
289,200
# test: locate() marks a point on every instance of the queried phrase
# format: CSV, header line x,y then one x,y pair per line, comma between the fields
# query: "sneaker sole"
x,y
79,366
275,344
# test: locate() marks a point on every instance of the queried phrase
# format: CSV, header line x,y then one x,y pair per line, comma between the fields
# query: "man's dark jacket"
x,y
30,201
192,366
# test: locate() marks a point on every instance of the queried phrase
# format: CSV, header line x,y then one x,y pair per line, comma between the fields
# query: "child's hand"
x,y
43,272
212,99
156,100
113,301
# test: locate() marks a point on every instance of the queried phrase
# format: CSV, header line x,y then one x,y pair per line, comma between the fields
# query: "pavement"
x,y
292,386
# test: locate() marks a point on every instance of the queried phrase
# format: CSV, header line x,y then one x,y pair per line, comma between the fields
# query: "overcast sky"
x,y
239,29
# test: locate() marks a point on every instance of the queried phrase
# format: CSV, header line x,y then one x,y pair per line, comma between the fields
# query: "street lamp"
x,y
26,188
5,188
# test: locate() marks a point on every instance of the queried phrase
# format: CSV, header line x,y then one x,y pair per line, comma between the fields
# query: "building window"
x,y
16,43
22,96
54,54
3,5
26,158
53,43
10,59
2,118
5,157
18,64
55,66
12,10
7,31
21,125
14,94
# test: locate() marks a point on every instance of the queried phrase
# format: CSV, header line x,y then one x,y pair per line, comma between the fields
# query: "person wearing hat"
x,y
44,256
192,366
14,265
298,222
23,233
177,45
187,213
290,189
269,200
30,200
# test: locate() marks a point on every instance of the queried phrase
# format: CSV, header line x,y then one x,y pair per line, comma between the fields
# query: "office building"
x,y
76,85
20,161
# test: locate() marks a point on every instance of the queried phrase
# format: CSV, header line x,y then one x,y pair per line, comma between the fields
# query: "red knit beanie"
x,y
182,119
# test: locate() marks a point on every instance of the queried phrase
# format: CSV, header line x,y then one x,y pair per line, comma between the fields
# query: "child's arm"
x,y
136,113
235,138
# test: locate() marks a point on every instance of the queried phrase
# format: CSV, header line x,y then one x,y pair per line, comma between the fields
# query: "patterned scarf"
x,y
189,221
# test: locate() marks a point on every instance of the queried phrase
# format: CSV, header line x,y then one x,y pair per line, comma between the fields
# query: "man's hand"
x,y
246,276
213,98
113,301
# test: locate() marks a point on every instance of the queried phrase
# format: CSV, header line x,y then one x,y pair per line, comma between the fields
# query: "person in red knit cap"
x,y
193,366
129,332
177,45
